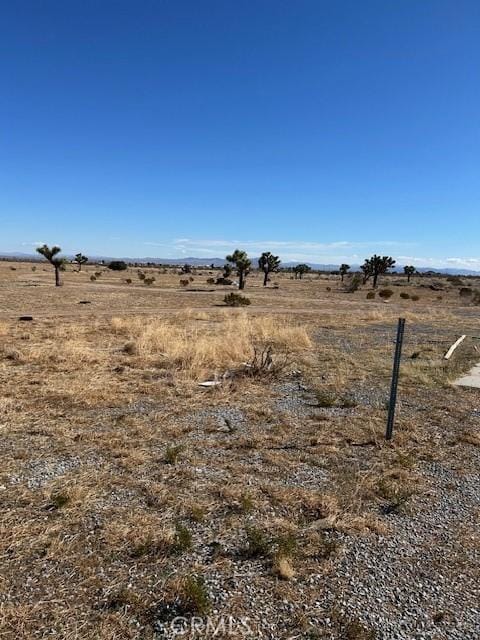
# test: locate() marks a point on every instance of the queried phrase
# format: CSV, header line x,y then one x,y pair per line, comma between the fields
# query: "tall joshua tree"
x,y
242,264
80,259
344,269
376,266
409,271
50,253
268,263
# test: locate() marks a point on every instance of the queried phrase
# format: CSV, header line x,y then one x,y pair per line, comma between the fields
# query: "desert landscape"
x,y
139,504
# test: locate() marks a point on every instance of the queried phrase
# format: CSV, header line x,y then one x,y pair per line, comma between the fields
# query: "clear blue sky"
x,y
320,130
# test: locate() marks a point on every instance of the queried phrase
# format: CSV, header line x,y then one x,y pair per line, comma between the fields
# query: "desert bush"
x,y
329,289
354,283
34,268
236,300
128,280
465,292
404,295
257,544
415,298
117,265
184,282
385,293
210,280
93,278
455,280
325,398
476,297
224,281
149,281
371,295
192,597
141,275
172,453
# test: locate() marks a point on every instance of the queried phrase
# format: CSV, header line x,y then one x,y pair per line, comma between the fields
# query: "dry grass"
x,y
194,352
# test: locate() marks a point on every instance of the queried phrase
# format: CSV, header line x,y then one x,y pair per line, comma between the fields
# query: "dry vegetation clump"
x,y
194,351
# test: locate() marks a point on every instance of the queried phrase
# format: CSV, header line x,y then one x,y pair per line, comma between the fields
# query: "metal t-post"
x,y
395,374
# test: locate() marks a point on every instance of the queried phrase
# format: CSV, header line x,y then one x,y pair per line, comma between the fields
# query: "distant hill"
x,y
219,262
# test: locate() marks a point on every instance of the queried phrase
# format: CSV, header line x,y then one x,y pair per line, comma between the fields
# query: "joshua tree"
x,y
268,263
242,264
375,267
409,271
227,270
50,254
80,259
344,269
300,270
187,268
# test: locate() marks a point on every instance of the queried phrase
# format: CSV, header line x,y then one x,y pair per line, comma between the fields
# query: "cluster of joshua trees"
x,y
268,263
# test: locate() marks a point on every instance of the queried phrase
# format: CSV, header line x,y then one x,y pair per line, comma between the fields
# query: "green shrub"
x,y
117,265
236,300
193,598
172,453
404,295
183,538
371,295
386,294
258,544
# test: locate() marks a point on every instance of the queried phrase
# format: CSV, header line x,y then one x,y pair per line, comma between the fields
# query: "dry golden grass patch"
x,y
195,351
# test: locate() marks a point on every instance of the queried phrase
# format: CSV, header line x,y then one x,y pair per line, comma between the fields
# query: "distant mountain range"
x,y
219,262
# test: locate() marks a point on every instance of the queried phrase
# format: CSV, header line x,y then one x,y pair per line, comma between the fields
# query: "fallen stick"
x,y
456,344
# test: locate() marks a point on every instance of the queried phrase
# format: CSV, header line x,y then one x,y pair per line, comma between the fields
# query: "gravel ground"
x,y
422,581
419,583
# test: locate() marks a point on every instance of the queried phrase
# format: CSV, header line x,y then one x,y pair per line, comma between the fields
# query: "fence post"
x,y
395,374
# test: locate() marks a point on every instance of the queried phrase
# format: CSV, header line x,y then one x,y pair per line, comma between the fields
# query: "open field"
x,y
130,495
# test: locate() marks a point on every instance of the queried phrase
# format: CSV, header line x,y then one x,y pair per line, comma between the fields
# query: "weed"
x,y
193,596
172,453
258,545
236,300
182,539
325,398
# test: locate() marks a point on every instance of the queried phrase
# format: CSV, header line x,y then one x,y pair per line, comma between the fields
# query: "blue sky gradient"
x,y
320,130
